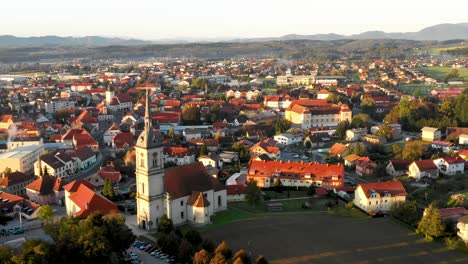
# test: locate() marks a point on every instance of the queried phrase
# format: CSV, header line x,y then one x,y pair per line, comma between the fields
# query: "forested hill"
x,y
290,49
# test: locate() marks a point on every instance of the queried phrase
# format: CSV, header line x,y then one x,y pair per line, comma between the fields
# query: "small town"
x,y
349,155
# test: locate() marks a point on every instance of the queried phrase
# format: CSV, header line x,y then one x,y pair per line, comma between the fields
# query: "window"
x,y
182,215
219,200
142,161
376,202
142,188
155,160
369,203
181,203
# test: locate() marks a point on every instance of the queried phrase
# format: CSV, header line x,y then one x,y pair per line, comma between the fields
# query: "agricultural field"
x,y
439,72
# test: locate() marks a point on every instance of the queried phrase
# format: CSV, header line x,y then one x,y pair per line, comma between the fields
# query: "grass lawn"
x,y
293,205
423,89
347,212
439,72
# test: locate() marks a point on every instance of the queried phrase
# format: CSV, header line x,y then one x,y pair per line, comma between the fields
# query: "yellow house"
x,y
378,197
462,226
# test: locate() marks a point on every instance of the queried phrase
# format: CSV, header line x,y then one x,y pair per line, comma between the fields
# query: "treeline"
x,y
416,114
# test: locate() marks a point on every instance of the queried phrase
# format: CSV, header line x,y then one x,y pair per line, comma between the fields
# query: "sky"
x,y
210,19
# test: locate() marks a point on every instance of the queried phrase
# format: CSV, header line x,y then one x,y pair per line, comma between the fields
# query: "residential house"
x,y
107,172
298,174
338,150
192,133
374,140
378,197
46,190
316,113
178,155
81,200
10,203
423,168
462,226
109,134
84,157
365,166
443,145
288,139
397,167
430,134
450,165
59,164
266,146
123,141
351,159
355,134
463,139
14,182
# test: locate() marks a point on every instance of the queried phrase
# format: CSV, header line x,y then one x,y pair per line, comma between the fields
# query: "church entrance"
x,y
143,224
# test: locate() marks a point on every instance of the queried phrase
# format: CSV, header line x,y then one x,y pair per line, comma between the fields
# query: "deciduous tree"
x,y
431,223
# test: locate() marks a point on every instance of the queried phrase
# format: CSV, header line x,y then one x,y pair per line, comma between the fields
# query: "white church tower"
x,y
109,95
150,194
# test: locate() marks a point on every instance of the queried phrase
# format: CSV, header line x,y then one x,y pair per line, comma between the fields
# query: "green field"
x,y
423,89
439,72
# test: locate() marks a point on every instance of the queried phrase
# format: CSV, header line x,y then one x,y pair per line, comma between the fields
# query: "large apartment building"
x,y
317,113
298,174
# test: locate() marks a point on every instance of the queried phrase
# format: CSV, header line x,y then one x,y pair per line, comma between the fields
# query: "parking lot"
x,y
142,252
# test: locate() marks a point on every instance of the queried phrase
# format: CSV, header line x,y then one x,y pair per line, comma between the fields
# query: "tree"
x,y
242,256
218,135
218,259
385,131
185,251
108,189
341,129
6,253
45,213
431,223
193,236
278,185
311,190
165,224
170,133
224,249
368,106
191,115
203,150
357,149
208,245
261,260
406,211
201,257
7,171
169,243
413,150
35,251
397,151
252,193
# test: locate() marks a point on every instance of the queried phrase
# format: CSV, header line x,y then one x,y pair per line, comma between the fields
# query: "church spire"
x,y
147,113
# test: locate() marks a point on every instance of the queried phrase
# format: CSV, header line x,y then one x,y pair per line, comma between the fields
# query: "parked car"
x,y
18,231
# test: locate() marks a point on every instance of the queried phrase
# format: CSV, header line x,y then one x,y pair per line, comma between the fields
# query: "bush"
x,y
349,205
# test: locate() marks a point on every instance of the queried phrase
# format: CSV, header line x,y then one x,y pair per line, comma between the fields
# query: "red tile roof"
x,y
14,178
123,139
425,165
197,199
81,140
182,180
89,202
73,186
395,188
337,149
235,189
109,173
46,184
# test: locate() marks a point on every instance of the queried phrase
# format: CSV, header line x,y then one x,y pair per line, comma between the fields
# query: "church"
x,y
186,194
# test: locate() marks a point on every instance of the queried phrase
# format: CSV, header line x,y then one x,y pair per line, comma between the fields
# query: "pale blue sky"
x,y
156,19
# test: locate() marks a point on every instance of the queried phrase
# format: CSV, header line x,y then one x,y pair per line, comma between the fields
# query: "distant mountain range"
x,y
439,32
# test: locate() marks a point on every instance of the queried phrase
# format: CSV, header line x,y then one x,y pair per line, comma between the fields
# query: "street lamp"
x,y
17,209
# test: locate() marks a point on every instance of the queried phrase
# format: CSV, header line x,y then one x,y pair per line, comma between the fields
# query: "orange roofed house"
x,y
378,197
81,200
266,173
266,146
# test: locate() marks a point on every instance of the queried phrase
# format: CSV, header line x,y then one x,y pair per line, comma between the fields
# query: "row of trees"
x,y
192,247
98,239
